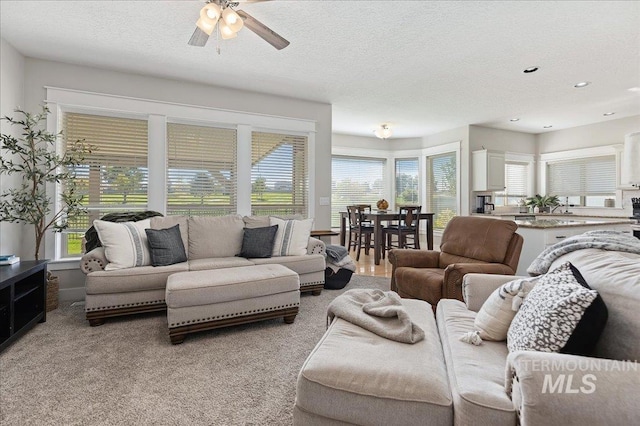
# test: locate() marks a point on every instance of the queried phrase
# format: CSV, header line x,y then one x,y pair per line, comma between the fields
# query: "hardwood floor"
x,y
366,265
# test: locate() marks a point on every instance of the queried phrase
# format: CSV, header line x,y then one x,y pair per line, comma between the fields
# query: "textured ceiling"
x,y
423,67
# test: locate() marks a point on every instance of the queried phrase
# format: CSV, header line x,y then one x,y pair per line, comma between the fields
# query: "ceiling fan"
x,y
221,16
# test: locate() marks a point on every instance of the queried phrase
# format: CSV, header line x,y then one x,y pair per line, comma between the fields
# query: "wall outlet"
x,y
325,201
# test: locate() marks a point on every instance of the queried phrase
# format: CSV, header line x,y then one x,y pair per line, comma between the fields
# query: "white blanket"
x,y
380,312
604,240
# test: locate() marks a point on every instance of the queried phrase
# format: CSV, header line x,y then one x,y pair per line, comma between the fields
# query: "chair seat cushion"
x,y
420,283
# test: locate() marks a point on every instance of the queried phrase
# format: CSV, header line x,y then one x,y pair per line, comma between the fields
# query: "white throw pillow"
x,y
125,243
292,237
497,312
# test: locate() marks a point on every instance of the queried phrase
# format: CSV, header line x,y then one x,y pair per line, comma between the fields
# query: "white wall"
x,y
599,134
12,90
501,140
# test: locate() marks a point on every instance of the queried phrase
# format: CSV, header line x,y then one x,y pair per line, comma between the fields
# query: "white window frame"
x,y
157,113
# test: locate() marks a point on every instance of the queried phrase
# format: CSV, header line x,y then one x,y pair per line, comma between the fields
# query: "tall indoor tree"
x,y
33,156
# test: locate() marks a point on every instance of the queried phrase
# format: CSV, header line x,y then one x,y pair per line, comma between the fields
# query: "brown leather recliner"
x,y
469,244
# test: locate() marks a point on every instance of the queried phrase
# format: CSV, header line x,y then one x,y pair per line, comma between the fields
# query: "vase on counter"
x,y
536,209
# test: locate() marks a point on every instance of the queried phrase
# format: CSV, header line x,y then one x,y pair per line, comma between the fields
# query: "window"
x,y
201,170
355,181
442,188
516,177
585,181
407,182
279,178
114,176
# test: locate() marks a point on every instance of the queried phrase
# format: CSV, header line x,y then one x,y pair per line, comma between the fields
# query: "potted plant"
x,y
33,156
543,202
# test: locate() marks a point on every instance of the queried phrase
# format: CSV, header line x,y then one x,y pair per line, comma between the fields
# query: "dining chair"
x,y
359,229
406,231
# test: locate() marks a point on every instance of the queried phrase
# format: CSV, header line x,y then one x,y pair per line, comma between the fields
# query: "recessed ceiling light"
x,y
548,127
530,70
582,84
606,114
514,119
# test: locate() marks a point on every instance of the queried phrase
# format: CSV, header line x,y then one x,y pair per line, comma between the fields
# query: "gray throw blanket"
x,y
380,312
604,240
336,253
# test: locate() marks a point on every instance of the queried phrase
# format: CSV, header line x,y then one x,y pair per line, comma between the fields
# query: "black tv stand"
x,y
23,298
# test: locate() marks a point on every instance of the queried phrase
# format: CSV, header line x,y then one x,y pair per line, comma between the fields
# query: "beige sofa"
x,y
356,377
211,243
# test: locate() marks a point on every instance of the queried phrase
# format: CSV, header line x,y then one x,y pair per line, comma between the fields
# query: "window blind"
x,y
592,176
407,181
442,188
201,170
516,178
355,181
279,176
114,177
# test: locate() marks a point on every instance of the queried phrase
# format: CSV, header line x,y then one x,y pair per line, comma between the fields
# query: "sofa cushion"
x,y
476,373
616,277
131,280
357,377
550,312
166,246
256,221
169,221
298,264
218,263
292,237
258,242
125,244
215,236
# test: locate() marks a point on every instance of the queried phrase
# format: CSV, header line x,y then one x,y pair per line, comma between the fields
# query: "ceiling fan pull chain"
x,y
218,38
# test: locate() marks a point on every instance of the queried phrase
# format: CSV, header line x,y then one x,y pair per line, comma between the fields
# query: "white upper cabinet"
x,y
488,170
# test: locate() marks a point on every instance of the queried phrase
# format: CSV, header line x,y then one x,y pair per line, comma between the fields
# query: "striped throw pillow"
x,y
292,237
125,243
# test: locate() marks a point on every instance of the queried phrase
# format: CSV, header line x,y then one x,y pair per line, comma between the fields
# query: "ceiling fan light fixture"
x,y
384,132
206,26
225,30
232,19
211,11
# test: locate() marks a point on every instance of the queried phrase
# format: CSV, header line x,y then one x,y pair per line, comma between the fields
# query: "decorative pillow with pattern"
x,y
292,237
550,313
494,317
125,244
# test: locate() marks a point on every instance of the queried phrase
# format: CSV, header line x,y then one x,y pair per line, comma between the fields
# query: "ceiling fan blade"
x,y
266,33
198,38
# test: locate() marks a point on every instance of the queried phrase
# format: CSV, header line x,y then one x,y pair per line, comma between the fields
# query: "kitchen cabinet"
x,y
488,170
542,233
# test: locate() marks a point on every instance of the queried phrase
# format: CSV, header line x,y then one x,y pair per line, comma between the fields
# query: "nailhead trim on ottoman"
x,y
204,300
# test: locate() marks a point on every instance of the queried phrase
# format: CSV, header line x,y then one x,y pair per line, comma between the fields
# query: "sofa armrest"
x,y
561,389
454,273
95,260
414,258
316,246
476,288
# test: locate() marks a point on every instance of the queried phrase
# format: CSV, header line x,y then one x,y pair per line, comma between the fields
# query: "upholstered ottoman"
x,y
356,377
204,300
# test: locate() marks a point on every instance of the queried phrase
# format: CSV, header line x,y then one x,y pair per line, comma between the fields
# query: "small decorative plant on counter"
x,y
33,156
542,203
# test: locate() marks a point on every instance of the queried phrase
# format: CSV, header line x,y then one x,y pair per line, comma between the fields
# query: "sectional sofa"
x,y
211,243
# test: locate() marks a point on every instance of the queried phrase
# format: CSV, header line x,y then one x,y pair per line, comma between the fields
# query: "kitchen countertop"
x,y
563,223
553,215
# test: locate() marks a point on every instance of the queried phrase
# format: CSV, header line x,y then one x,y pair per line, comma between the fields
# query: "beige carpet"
x,y
126,372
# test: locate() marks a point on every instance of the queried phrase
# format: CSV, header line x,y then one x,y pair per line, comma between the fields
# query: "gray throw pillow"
x,y
258,242
166,246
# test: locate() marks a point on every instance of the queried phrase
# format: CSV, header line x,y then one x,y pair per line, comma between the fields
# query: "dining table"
x,y
378,218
